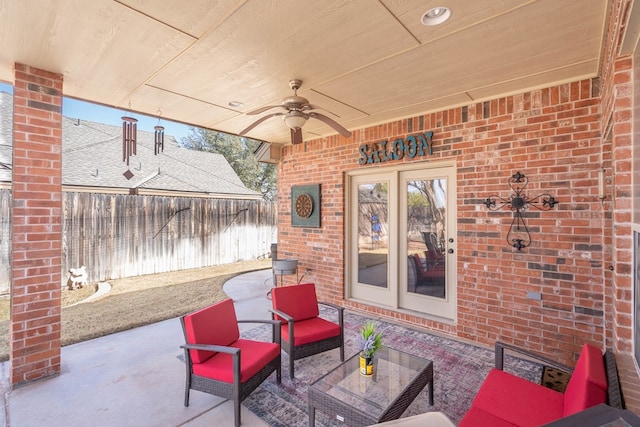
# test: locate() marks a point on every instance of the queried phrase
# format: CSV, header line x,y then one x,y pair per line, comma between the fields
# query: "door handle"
x,y
450,251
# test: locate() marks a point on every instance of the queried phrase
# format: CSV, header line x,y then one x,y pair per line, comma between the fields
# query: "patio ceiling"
x,y
369,61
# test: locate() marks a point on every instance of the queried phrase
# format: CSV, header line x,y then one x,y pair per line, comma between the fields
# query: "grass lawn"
x,y
136,301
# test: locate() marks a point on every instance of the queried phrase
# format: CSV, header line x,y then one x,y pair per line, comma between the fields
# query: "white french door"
x,y
401,238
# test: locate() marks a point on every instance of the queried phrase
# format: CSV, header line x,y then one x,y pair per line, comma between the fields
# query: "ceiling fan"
x,y
297,112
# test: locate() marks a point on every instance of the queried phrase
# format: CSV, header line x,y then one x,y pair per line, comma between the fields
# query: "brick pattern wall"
x,y
617,155
622,164
617,121
553,137
621,227
37,230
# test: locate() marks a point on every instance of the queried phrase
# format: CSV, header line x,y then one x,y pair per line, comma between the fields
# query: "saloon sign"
x,y
384,151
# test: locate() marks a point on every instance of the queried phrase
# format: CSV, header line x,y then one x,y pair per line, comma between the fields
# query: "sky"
x,y
75,109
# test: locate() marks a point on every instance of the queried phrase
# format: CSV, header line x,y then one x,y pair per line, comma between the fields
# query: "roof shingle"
x,y
92,157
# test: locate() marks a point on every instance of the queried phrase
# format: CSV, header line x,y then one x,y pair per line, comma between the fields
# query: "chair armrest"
x,y
282,314
289,320
614,389
275,327
234,352
340,312
328,304
258,321
211,347
499,357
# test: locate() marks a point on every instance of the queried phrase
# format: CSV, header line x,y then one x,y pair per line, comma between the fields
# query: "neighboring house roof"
x,y
92,157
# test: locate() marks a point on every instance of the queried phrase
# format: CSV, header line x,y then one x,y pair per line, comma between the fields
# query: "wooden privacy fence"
x,y
5,240
118,236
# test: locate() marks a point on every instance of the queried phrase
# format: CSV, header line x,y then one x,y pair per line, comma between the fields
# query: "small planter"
x,y
369,342
366,365
285,266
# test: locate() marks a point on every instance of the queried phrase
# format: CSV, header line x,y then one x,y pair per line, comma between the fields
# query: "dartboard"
x,y
304,205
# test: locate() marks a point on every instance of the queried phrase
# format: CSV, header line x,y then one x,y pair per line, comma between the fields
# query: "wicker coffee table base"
x,y
343,412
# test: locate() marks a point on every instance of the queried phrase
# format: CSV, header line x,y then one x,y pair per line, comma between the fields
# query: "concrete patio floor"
x,y
131,378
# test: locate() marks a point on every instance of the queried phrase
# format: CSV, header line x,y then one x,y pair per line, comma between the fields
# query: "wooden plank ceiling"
x,y
368,61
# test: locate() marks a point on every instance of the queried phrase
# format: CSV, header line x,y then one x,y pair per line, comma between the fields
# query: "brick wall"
x,y
552,136
619,147
622,197
37,231
617,120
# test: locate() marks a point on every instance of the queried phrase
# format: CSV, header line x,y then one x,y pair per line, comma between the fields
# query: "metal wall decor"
x,y
420,144
518,235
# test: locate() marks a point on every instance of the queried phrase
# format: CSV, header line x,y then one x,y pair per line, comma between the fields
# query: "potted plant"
x,y
370,341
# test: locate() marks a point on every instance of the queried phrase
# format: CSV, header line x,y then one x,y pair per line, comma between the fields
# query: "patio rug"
x,y
459,370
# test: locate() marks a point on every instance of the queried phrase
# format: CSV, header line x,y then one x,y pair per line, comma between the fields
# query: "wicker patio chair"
x,y
219,362
424,275
304,332
614,389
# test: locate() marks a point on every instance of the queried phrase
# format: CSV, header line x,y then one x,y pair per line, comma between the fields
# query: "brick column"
x,y
37,225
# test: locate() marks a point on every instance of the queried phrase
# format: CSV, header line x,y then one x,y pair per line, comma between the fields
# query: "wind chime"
x,y
129,139
159,137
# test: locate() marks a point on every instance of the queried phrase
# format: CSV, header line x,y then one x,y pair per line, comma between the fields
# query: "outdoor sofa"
x,y
505,400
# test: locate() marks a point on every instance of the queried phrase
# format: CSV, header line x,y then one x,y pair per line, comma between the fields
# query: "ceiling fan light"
x,y
294,121
436,16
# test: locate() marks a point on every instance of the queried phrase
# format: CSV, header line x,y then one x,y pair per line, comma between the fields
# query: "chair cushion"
x,y
590,365
518,401
417,261
588,384
310,330
254,355
478,418
298,301
216,324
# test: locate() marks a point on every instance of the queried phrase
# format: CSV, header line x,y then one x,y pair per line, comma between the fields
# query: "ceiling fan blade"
x,y
257,122
341,130
317,107
296,136
263,109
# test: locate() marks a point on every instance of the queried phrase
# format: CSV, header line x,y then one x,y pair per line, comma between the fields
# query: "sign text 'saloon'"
x,y
414,145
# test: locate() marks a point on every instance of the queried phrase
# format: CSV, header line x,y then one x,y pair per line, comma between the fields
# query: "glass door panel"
x,y
371,237
427,219
426,226
373,234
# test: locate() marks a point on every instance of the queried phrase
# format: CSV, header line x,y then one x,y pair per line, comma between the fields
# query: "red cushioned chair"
x,y
433,254
219,362
427,276
304,332
423,275
505,400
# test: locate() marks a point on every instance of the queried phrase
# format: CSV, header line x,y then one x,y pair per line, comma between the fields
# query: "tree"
x,y
238,151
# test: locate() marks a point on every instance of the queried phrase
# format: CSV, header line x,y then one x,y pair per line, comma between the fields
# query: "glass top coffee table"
x,y
347,396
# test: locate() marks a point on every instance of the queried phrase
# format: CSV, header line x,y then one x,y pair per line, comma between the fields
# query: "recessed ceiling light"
x,y
436,16
235,104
